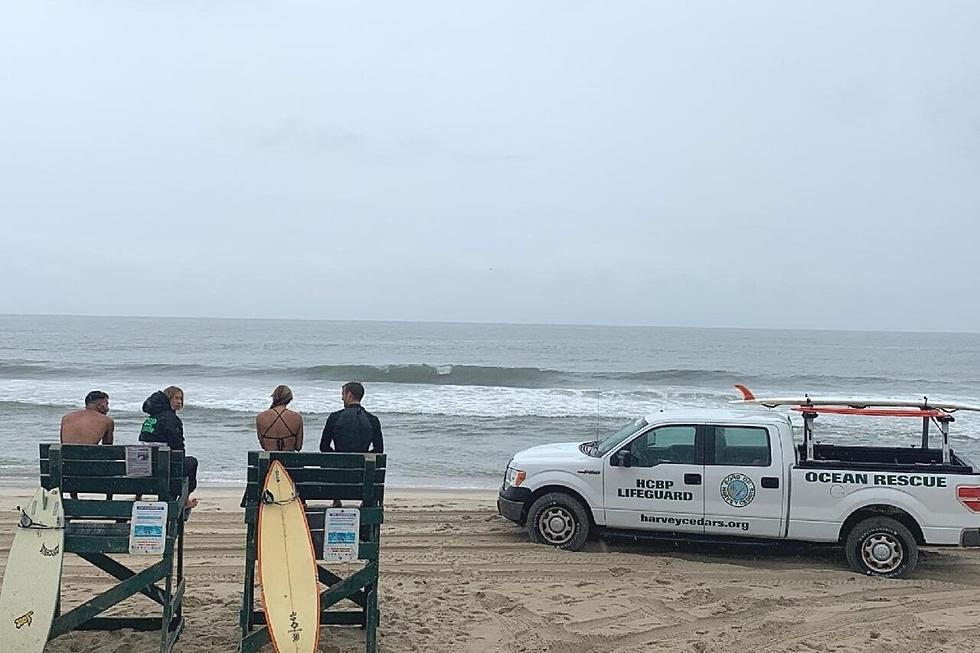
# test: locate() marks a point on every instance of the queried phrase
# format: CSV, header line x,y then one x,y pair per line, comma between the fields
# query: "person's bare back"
x,y
89,426
279,429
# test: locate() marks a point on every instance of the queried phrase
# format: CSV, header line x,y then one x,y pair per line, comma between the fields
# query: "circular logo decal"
x,y
737,490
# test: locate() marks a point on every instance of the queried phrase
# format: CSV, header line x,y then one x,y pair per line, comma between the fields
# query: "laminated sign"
x,y
139,461
148,529
340,531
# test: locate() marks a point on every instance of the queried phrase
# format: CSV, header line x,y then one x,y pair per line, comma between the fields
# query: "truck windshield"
x,y
600,448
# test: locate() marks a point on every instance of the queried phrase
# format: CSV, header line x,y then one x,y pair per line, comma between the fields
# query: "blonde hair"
x,y
281,396
172,391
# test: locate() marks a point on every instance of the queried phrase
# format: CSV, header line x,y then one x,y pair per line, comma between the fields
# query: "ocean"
x,y
455,400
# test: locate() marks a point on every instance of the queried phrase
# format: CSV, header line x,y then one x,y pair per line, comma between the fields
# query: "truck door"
x,y
654,482
744,483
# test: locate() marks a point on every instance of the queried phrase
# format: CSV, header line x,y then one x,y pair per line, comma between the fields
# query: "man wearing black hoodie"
x,y
164,427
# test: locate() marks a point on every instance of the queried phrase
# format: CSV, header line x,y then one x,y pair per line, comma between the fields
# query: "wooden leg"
x,y
248,593
371,619
168,605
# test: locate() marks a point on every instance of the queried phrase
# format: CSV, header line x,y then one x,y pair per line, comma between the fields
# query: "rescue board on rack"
x,y
850,402
32,580
287,566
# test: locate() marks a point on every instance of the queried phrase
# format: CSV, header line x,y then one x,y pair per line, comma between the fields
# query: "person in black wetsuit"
x,y
280,429
164,427
353,429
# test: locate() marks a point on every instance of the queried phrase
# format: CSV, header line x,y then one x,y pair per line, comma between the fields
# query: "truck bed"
x,y
901,459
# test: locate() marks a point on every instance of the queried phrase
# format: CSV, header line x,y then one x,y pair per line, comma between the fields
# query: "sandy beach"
x,y
457,577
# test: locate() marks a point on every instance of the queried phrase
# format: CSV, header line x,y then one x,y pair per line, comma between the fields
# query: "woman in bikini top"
x,y
280,429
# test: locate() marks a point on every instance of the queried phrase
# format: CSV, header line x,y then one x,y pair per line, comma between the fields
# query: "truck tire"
x,y
881,546
559,520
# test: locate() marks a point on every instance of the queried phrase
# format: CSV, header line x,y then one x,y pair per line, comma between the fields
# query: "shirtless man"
x,y
89,426
278,428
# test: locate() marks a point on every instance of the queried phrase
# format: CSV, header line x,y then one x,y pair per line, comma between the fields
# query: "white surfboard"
x,y
32,580
855,402
287,566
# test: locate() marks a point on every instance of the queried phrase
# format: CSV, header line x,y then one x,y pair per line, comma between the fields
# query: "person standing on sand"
x,y
164,427
280,429
353,429
91,425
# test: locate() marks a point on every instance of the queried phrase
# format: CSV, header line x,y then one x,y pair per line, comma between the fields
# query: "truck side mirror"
x,y
622,458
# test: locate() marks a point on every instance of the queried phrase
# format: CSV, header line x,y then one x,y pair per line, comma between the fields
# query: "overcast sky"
x,y
759,164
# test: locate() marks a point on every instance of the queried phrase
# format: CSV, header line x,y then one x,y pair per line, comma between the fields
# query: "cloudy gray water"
x,y
455,400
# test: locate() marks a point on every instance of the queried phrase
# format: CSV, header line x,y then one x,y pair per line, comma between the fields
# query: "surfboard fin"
x,y
746,393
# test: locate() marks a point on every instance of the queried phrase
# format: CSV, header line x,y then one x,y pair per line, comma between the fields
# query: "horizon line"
x,y
477,323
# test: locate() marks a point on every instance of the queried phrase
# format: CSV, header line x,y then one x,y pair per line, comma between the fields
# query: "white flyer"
x,y
340,531
148,528
139,461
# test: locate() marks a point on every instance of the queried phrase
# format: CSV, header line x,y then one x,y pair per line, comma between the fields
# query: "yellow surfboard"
x,y
287,567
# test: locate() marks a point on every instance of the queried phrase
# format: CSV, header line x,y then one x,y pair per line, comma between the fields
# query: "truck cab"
x,y
722,473
655,472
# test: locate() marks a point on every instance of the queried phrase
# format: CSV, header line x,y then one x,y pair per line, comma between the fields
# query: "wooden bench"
x,y
321,477
98,528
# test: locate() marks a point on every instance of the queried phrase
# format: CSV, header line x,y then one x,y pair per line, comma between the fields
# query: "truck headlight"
x,y
514,477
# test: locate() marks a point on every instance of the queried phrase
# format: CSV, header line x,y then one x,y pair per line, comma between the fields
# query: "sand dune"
x,y
456,577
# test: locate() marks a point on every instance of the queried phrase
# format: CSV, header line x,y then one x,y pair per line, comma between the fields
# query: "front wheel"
x,y
881,546
559,520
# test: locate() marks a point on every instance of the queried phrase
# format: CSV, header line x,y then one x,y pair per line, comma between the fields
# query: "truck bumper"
x,y
970,537
511,503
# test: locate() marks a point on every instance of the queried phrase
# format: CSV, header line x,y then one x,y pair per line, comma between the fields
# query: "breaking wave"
x,y
428,374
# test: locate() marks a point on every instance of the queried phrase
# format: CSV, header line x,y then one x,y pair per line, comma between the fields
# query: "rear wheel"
x,y
559,520
881,546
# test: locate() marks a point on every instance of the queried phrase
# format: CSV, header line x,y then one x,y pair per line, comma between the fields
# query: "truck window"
x,y
667,444
742,445
610,442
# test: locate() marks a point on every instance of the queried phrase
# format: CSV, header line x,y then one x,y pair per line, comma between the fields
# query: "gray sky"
x,y
762,164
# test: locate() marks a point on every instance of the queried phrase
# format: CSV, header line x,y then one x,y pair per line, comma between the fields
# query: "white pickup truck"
x,y
716,473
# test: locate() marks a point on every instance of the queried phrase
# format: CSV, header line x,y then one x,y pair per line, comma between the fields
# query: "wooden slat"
x,y
349,585
367,551
121,572
111,484
101,544
306,474
255,640
73,619
55,453
119,623
318,491
291,459
103,509
331,618
329,579
368,488
162,474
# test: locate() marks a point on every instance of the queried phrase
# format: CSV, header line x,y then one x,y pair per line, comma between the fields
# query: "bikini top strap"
x,y
273,422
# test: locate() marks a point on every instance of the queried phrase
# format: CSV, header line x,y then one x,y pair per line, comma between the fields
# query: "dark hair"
x,y
94,397
355,389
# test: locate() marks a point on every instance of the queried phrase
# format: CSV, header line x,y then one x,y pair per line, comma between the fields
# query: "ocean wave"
x,y
391,398
424,374
450,374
